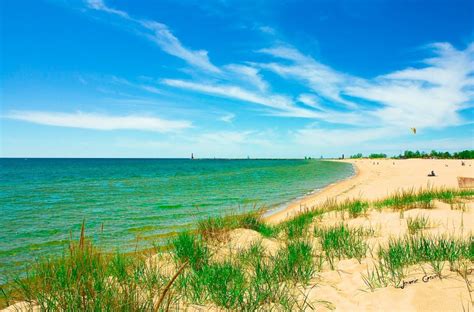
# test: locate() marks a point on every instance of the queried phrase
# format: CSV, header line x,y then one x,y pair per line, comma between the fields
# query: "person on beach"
x,y
432,174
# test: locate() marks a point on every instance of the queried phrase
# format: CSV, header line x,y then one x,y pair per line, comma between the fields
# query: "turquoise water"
x,y
131,203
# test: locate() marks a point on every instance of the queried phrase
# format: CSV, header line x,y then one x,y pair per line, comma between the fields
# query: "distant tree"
x,y
357,155
381,155
467,154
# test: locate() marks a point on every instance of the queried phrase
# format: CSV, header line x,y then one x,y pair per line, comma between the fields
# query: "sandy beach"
x,y
378,178
344,288
351,261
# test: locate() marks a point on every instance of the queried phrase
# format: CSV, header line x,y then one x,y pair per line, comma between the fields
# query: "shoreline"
x,y
270,213
300,204
377,178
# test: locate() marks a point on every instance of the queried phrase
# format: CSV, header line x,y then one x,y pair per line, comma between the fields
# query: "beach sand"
x,y
378,178
343,288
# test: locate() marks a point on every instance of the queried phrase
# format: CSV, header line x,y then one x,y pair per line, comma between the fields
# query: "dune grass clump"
x,y
253,222
216,228
422,198
417,224
408,199
191,249
296,227
416,249
410,250
342,242
225,284
295,262
87,279
355,208
250,280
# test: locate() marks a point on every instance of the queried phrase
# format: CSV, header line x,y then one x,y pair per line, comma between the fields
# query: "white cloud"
x,y
310,100
163,37
150,89
322,79
426,97
100,5
99,121
227,118
279,105
233,92
267,30
247,74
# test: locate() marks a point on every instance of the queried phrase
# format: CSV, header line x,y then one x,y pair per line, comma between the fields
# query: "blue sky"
x,y
114,78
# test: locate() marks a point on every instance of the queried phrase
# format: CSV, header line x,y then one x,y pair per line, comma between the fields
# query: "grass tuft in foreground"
x,y
403,252
216,229
295,262
191,249
417,224
342,242
422,198
87,279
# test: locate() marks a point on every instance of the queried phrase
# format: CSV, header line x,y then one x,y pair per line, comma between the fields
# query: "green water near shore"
x,y
132,203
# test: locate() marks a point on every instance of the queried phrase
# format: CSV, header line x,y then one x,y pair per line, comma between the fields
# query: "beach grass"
x,y
410,250
295,262
421,198
417,224
341,242
215,229
191,249
87,278
297,227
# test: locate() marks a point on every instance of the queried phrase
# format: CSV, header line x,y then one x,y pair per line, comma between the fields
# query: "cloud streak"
x,y
427,97
100,121
160,34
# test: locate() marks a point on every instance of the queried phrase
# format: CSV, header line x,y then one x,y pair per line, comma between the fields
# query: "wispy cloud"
x,y
100,121
310,100
247,74
227,117
322,79
100,5
427,97
232,92
279,105
162,36
267,30
125,82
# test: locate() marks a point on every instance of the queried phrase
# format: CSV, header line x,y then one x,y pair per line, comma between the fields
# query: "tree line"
x,y
467,154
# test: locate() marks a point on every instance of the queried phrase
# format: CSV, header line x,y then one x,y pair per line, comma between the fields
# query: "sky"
x,y
225,78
